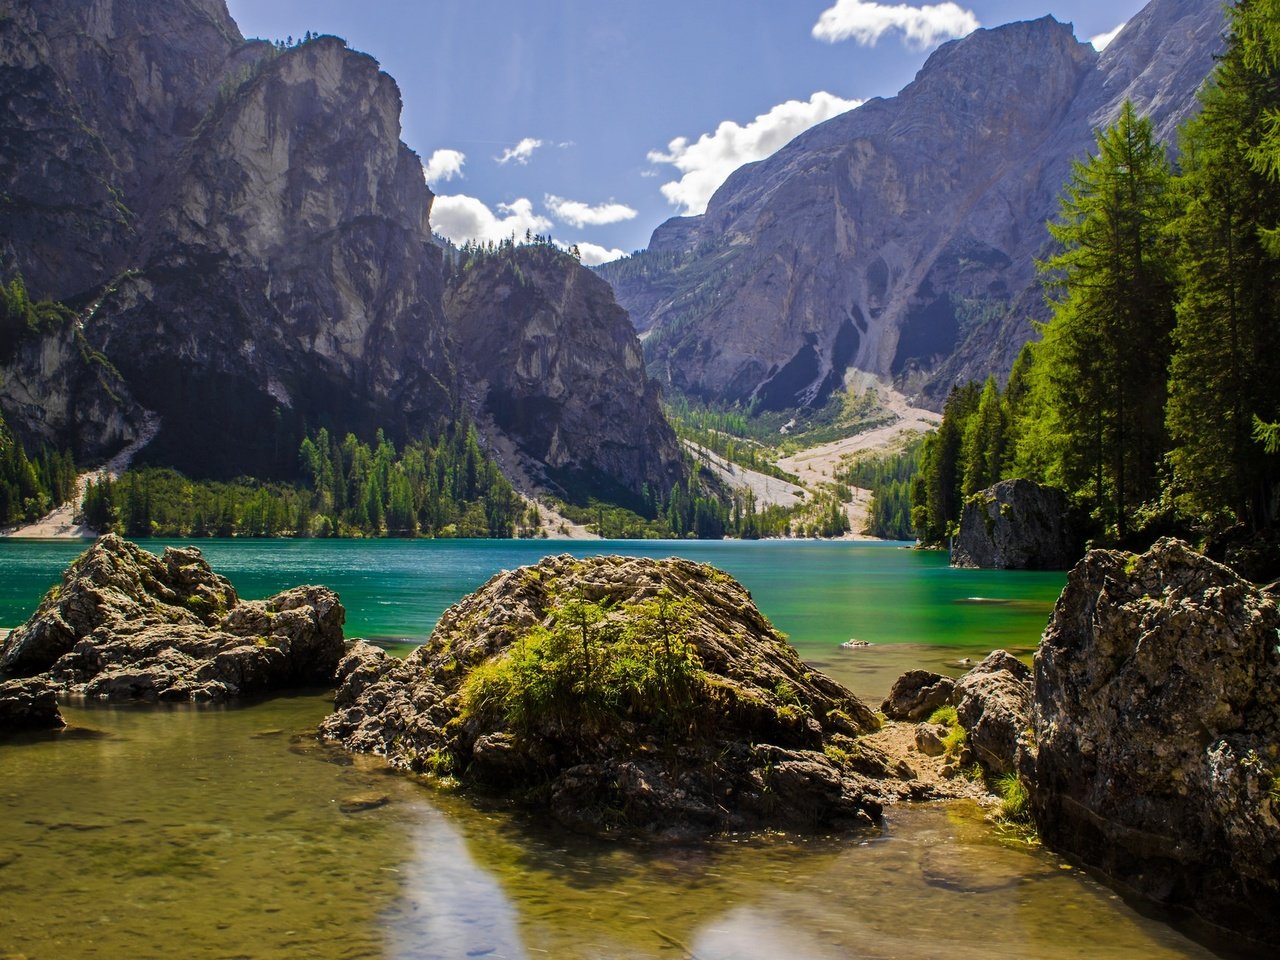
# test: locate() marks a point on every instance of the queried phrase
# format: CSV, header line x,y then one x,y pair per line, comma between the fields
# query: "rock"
x,y
891,239
126,625
916,694
1017,525
930,739
1157,724
560,372
756,740
28,704
993,704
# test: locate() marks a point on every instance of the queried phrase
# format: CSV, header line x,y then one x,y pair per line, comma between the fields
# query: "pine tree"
x,y
1224,369
1102,365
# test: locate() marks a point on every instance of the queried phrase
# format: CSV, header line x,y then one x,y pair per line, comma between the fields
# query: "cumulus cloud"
x,y
1101,40
866,22
461,218
593,255
521,152
708,161
579,214
443,165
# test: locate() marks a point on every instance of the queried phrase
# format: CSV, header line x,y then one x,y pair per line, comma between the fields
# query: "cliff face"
x,y
247,244
900,238
555,365
95,99
290,277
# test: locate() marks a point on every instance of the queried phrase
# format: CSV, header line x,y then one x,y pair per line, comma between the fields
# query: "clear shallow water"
x,y
913,608
226,833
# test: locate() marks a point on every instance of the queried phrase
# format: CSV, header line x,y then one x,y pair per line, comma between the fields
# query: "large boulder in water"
x,y
125,624
1017,525
1157,721
627,696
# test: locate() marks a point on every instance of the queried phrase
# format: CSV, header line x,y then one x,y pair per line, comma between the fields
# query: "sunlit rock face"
x,y
291,278
900,238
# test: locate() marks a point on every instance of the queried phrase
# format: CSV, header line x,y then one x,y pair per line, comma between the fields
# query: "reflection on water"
x,y
219,833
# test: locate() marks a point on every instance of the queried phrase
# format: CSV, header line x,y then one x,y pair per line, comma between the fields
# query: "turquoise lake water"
x,y
909,604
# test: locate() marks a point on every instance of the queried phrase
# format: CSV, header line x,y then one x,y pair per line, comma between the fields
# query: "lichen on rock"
x,y
629,697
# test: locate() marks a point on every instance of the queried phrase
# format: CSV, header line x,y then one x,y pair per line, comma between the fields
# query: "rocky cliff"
x,y
900,238
1156,723
555,365
247,244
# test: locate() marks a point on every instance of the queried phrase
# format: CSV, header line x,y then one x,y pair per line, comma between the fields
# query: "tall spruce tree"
x,y
1101,368
1224,370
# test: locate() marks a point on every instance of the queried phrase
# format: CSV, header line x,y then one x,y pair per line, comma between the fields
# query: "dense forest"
x,y
446,486
1152,393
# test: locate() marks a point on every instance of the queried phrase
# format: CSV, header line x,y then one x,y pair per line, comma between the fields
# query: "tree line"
x,y
1148,397
446,486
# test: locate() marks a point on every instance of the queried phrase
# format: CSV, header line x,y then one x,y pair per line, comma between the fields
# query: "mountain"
x,y
246,242
900,238
553,363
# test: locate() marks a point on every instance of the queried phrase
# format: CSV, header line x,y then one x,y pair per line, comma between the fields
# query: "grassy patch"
x,y
592,667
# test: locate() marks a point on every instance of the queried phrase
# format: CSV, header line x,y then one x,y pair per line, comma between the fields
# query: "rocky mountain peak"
x,y
554,366
900,238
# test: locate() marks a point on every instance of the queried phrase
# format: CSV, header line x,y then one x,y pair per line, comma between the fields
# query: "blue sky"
x,y
595,121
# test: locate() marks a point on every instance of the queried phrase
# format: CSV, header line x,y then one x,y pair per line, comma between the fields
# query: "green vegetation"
x,y
1152,396
1015,799
446,487
890,478
726,433
31,488
955,741
593,667
21,317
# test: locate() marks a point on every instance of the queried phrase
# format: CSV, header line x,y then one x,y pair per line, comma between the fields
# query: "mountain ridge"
x,y
899,239
245,237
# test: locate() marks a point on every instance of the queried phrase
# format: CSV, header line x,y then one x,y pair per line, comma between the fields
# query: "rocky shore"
x,y
650,699
126,625
628,697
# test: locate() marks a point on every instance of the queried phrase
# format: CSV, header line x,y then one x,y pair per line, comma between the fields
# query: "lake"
x,y
208,832
909,604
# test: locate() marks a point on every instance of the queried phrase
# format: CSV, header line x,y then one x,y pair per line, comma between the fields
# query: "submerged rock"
x,y
1157,724
29,704
626,696
1017,525
125,625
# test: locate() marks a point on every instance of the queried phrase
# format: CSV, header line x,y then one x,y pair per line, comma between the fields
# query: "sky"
x,y
594,121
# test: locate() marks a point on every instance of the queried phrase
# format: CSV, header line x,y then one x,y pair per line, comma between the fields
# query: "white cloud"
x,y
461,218
706,163
593,255
866,22
1101,40
444,165
521,152
579,214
